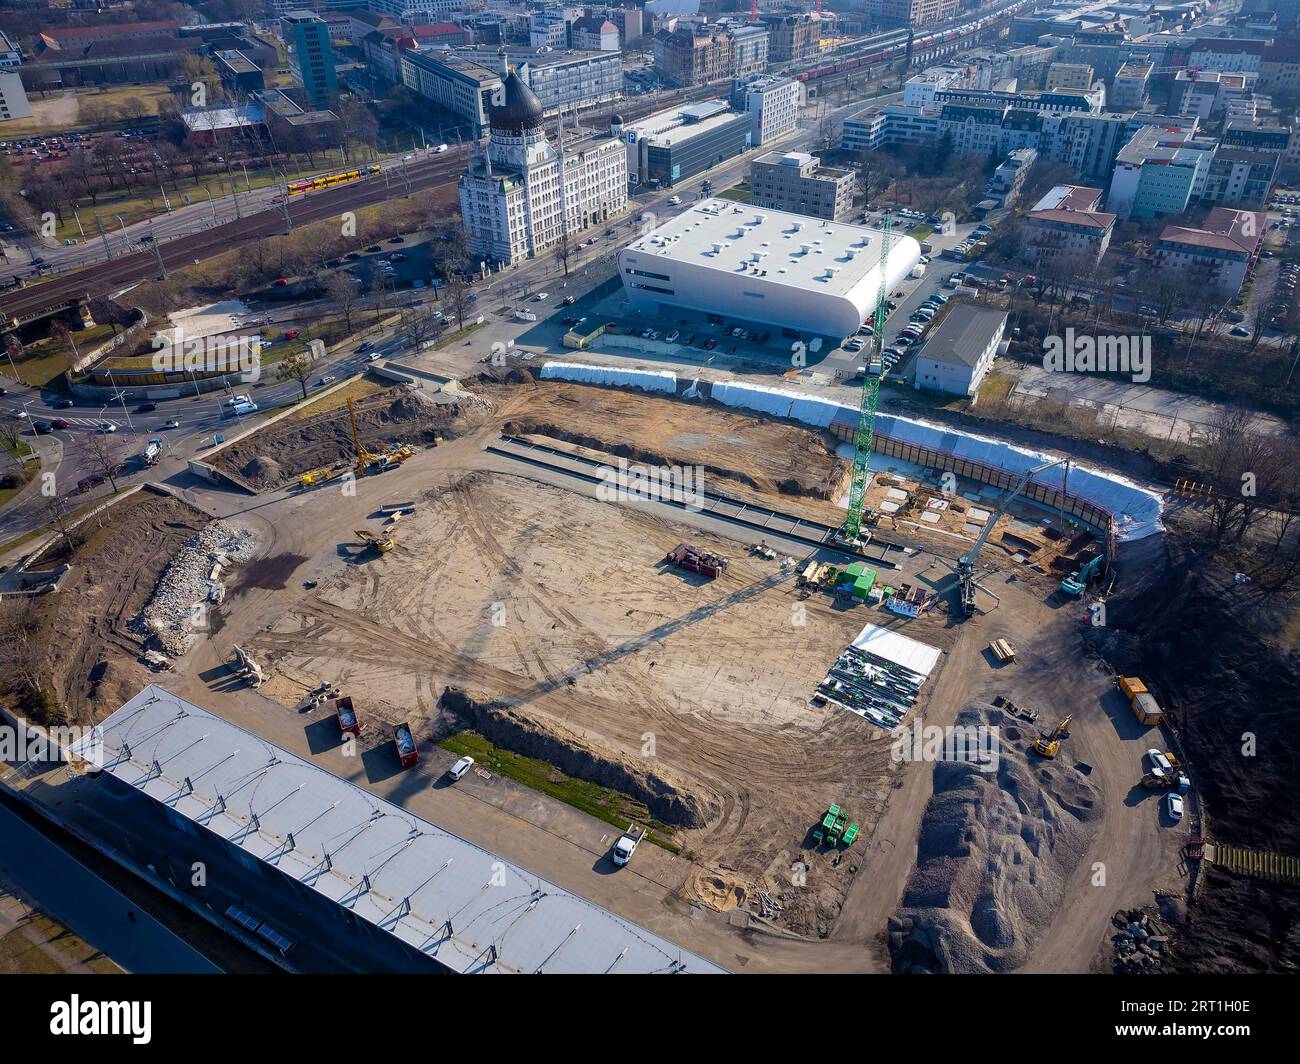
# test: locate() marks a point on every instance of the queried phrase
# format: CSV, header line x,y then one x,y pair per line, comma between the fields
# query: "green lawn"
x,y
603,803
739,193
44,360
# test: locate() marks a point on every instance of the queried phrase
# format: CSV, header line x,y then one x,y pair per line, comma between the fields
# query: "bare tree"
x,y
295,368
458,293
105,455
342,290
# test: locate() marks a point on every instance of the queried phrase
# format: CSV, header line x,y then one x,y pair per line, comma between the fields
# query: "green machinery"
x,y
851,533
835,829
1077,582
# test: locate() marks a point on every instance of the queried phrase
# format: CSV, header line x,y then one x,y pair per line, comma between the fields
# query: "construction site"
x,y
847,691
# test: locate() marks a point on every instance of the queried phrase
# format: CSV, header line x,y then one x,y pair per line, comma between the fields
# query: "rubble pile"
x,y
178,604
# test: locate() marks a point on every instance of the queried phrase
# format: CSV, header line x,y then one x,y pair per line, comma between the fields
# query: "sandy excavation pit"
x,y
600,653
752,458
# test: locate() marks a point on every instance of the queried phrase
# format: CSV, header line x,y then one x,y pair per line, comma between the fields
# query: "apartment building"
x,y
13,97
1065,225
797,182
1220,255
792,38
1130,87
1069,76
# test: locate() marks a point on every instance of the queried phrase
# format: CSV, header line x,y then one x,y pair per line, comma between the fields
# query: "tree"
x,y
417,325
105,455
342,290
458,293
133,109
294,368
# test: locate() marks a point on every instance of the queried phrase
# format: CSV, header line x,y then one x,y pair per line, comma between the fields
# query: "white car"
x,y
672,337
234,400
853,345
172,424
1174,806
674,201
407,158
329,378
440,149
1158,760
21,415
460,768
541,297
105,427
374,356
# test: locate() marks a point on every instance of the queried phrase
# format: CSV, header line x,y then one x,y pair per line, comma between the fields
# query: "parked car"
x,y
672,337
1174,806
1158,760
460,768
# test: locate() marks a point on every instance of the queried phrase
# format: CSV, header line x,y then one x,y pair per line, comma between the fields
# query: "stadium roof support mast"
x,y
851,534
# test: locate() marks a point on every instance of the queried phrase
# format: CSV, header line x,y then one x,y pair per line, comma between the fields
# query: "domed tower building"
x,y
521,194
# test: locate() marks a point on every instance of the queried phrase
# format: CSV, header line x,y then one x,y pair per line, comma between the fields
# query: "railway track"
x,y
36,300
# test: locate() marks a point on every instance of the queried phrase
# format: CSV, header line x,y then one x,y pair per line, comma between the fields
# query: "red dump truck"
x,y
348,722
407,753
694,560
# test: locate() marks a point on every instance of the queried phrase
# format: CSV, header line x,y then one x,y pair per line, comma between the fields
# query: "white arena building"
x,y
732,262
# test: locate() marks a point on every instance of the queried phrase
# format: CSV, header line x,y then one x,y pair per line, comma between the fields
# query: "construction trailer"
x,y
404,740
908,601
1145,707
694,560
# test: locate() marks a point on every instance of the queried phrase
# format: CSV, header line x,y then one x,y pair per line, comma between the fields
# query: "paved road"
x,y
84,903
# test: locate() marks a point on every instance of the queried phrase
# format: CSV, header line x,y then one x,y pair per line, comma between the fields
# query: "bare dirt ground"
x,y
751,458
279,454
82,632
554,614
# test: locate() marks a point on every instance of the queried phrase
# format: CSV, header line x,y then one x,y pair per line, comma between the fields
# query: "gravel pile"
x,y
995,852
170,616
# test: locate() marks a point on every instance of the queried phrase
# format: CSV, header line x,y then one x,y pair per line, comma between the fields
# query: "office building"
x,y
521,195
675,145
1158,172
13,97
772,100
798,183
311,57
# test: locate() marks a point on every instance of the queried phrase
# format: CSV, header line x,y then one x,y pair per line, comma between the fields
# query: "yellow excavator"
x,y
382,543
367,460
1048,743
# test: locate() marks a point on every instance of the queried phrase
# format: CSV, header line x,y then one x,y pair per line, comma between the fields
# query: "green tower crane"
x,y
852,532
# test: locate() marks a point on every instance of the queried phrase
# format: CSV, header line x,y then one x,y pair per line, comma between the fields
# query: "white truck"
x,y
918,270
626,845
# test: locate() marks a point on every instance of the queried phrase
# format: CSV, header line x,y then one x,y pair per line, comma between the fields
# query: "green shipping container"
x,y
862,586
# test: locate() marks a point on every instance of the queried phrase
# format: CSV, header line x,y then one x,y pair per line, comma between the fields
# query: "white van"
x,y
440,149
244,408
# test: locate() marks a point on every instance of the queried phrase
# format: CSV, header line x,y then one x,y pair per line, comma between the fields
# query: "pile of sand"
x,y
995,852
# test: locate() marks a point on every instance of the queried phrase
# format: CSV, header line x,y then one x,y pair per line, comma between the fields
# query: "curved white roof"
x,y
386,865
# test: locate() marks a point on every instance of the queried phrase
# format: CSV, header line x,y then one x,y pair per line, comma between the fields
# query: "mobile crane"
x,y
966,563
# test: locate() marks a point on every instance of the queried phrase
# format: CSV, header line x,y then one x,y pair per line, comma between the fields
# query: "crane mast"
x,y
869,398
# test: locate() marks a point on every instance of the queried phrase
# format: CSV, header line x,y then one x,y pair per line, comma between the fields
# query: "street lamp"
x,y
211,204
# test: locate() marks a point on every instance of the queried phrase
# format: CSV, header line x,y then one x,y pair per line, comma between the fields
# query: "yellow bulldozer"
x,y
1048,743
